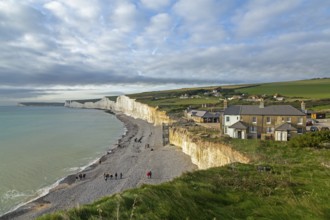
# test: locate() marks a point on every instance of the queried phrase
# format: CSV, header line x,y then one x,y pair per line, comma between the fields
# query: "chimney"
x,y
225,104
303,106
262,104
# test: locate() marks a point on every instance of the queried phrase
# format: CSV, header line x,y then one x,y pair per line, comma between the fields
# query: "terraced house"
x,y
275,122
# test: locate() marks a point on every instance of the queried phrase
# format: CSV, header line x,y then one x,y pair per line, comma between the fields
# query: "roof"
x,y
267,110
239,125
197,113
204,114
285,127
212,115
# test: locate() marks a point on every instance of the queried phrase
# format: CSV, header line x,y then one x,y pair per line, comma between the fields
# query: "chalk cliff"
x,y
127,106
136,109
104,103
203,154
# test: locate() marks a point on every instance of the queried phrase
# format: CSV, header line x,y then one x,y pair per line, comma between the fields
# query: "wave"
x,y
11,194
46,190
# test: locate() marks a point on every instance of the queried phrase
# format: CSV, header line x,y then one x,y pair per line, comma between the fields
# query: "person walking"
x,y
149,174
115,175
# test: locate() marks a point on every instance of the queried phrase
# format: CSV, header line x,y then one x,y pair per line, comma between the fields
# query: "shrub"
x,y
312,139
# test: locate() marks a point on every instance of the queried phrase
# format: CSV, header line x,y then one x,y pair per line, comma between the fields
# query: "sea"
x,y
39,146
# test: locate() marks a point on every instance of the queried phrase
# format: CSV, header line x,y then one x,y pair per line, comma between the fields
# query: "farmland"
x,y
305,89
315,92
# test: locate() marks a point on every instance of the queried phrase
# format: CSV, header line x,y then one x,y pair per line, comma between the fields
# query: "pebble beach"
x,y
139,151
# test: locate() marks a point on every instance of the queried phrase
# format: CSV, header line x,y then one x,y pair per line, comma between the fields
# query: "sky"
x,y
56,50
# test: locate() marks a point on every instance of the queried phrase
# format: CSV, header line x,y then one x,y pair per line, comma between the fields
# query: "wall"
x,y
232,120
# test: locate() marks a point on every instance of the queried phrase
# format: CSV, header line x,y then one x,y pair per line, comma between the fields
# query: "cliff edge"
x,y
203,154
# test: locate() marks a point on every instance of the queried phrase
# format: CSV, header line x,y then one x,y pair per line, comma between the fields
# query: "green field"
x,y
296,187
315,92
171,102
308,89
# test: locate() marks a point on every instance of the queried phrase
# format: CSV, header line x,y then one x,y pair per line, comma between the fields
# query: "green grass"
x,y
112,98
316,92
309,89
321,108
297,187
171,103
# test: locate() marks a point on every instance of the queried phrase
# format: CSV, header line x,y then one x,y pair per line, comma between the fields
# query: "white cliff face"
x,y
203,154
104,103
142,111
127,106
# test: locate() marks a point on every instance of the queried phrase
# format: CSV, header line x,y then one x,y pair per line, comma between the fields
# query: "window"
x,y
253,129
268,120
288,119
254,119
282,119
227,119
269,130
300,120
299,130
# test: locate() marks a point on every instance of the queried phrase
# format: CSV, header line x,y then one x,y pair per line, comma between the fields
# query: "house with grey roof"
x,y
200,116
276,122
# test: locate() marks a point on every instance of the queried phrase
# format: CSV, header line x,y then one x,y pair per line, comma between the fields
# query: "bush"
x,y
312,139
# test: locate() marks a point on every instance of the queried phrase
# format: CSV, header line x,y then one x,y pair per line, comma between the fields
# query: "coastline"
x,y
129,157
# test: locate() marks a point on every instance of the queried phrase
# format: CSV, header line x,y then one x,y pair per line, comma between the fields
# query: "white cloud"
x,y
94,42
125,16
259,15
198,10
87,9
156,4
16,19
155,34
57,8
29,41
201,20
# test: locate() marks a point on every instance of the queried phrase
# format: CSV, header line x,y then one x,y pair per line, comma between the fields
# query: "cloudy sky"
x,y
68,49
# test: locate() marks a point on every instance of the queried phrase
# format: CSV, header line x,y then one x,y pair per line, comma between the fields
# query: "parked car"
x,y
313,129
309,123
325,129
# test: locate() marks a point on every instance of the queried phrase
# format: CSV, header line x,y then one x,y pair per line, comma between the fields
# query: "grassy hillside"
x,y
316,93
309,89
296,186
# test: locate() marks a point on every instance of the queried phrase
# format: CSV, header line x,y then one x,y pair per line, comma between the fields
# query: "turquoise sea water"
x,y
40,145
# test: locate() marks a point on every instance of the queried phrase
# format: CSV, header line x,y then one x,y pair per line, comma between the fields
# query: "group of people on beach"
x,y
138,140
115,176
110,176
81,176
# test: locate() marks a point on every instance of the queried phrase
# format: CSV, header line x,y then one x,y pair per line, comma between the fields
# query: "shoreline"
x,y
129,157
57,184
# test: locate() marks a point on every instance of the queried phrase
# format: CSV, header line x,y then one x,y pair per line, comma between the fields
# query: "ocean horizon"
x,y
39,146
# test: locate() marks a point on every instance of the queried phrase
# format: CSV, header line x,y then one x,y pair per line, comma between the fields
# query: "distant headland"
x,y
40,104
